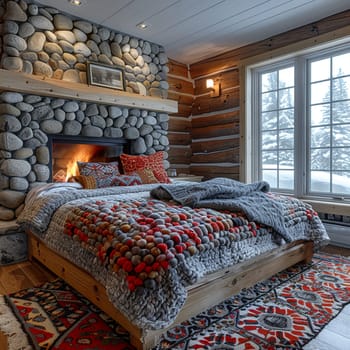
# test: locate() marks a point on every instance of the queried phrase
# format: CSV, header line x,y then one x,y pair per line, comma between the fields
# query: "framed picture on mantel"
x,y
104,75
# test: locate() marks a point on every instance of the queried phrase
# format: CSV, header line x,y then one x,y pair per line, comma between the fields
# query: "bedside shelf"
x,y
186,178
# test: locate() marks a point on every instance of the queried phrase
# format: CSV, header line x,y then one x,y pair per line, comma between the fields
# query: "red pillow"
x,y
153,161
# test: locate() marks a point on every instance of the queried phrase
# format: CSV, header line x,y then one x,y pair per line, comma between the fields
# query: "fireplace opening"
x,y
66,151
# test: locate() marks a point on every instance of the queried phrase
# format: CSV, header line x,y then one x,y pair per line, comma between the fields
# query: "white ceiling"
x,y
193,30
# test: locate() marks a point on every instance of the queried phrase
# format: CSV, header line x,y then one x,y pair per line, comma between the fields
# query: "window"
x,y
276,112
301,124
329,118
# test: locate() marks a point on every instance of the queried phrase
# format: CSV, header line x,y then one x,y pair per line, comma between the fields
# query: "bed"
x,y
151,262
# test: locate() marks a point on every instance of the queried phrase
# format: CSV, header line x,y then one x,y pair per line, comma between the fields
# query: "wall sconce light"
x,y
214,86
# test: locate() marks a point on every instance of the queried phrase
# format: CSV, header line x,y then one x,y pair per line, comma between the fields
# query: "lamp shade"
x,y
210,83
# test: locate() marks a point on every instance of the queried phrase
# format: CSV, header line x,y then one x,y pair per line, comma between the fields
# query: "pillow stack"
x,y
137,170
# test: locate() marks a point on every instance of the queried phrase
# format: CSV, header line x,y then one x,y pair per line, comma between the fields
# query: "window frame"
x,y
302,126
256,74
319,55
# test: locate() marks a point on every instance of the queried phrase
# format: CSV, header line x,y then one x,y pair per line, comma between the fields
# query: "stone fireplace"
x,y
28,122
54,47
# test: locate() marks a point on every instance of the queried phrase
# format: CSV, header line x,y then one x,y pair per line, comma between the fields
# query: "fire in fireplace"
x,y
66,151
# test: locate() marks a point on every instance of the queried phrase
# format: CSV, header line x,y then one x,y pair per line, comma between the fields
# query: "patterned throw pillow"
x,y
147,176
98,168
154,162
102,172
88,182
126,180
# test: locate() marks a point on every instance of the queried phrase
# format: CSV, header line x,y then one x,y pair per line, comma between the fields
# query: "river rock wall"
x,y
42,41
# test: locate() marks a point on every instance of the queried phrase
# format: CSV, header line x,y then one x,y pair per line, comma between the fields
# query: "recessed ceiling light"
x,y
143,25
76,2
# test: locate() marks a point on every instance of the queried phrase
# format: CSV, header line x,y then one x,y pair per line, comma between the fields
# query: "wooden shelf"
x,y
190,178
38,85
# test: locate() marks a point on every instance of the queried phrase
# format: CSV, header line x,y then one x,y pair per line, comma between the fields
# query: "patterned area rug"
x,y
286,311
56,317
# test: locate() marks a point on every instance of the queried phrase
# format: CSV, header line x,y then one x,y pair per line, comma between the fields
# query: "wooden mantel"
x,y
43,86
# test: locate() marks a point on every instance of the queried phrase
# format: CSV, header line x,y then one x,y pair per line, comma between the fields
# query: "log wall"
x,y
215,127
179,133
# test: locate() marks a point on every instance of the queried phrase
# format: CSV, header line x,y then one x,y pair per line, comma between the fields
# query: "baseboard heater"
x,y
338,233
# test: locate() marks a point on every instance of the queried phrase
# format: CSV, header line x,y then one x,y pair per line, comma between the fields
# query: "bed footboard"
x,y
223,283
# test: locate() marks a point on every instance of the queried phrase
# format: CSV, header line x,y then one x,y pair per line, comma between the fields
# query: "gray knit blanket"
x,y
226,194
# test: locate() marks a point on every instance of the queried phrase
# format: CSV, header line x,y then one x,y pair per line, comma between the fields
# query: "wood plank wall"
x,y
215,120
179,133
201,141
215,127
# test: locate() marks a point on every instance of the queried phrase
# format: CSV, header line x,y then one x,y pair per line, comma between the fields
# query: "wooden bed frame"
x,y
209,291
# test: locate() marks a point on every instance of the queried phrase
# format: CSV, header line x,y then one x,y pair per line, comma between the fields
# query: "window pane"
x,y
269,81
286,179
320,114
269,120
286,159
286,118
341,112
271,177
341,135
269,101
286,98
269,159
283,179
286,139
320,159
269,140
341,182
320,181
340,159
341,89
320,136
320,92
286,78
341,65
320,70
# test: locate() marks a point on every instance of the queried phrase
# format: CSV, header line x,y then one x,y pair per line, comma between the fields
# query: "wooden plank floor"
x,y
23,275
